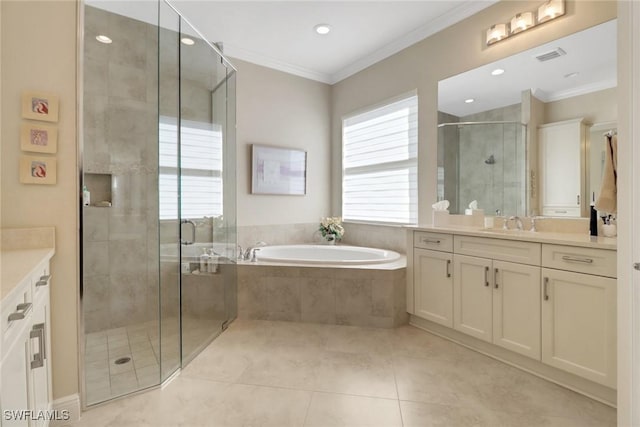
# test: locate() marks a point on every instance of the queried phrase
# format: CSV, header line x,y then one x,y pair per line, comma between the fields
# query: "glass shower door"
x,y
205,231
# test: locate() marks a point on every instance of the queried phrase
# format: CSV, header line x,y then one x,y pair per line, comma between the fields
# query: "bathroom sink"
x,y
511,231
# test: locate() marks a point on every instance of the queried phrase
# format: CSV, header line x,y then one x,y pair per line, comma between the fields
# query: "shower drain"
x,y
122,360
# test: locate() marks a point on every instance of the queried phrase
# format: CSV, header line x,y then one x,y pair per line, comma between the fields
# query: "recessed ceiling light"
x,y
469,101
104,39
497,72
187,41
568,76
322,29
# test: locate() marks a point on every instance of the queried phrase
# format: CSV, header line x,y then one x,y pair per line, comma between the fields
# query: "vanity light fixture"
x,y
550,10
496,33
520,22
187,41
523,21
104,39
322,29
469,101
497,72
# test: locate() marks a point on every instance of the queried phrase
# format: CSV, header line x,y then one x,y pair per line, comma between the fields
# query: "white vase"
x,y
331,239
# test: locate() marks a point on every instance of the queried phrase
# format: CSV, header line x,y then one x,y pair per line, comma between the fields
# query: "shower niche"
x,y
158,149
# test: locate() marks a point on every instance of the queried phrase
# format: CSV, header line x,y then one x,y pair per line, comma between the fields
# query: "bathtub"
x,y
326,255
340,285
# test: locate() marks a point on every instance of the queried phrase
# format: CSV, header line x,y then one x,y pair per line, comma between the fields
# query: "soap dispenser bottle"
x,y
204,261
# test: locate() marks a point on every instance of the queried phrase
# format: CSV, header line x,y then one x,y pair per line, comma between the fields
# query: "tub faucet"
x,y
250,253
517,220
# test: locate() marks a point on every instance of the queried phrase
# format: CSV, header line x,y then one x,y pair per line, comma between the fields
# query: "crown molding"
x,y
266,61
464,10
576,91
460,12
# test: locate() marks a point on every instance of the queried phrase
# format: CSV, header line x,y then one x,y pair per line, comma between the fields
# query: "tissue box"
x,y
440,218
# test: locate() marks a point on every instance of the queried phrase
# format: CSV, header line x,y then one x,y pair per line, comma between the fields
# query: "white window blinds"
x,y
201,169
379,161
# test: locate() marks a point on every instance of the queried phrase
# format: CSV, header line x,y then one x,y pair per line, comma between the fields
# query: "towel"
x,y
607,200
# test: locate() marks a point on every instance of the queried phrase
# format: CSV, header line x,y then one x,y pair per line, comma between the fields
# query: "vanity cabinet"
x,y
563,183
498,301
433,278
579,312
553,303
26,336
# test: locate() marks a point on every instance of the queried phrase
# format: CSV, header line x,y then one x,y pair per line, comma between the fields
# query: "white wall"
x,y
39,53
276,108
595,107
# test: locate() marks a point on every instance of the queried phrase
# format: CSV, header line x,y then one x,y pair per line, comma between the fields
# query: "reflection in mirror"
x,y
569,79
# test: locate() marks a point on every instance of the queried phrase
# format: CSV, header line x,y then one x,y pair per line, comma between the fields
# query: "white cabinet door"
x,y
40,363
15,380
516,308
472,296
562,181
433,286
579,324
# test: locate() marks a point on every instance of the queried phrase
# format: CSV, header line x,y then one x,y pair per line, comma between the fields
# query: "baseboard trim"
x,y
580,385
69,404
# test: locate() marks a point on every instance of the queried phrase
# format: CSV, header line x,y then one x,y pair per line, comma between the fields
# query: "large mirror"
x,y
525,135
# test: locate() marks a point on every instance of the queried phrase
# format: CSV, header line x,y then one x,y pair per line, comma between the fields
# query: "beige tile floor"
x,y
294,374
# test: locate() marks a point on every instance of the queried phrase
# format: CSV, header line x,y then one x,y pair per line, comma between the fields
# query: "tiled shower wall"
x,y
120,265
500,185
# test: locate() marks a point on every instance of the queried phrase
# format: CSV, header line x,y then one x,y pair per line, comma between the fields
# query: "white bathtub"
x,y
325,254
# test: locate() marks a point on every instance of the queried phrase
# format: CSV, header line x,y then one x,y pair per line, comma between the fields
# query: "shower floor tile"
x,y
104,378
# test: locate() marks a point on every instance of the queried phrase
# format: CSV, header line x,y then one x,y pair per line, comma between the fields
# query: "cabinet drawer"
x,y
600,262
18,302
573,211
500,249
433,241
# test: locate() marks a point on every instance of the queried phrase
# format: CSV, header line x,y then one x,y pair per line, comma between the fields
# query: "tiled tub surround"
x,y
373,297
379,236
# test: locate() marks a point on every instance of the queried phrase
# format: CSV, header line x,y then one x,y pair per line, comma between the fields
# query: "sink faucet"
x,y
516,219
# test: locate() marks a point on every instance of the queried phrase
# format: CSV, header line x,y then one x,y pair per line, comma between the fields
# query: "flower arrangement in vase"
x,y
331,229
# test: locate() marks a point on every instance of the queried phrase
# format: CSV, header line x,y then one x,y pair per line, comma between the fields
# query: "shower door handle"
x,y
193,232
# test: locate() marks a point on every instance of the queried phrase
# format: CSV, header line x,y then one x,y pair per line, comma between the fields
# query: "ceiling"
x,y
280,34
591,53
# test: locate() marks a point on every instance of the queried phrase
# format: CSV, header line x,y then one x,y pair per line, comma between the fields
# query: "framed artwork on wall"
x,y
278,170
37,170
39,138
40,106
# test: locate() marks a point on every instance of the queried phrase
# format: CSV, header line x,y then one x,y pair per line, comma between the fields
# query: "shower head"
x,y
491,160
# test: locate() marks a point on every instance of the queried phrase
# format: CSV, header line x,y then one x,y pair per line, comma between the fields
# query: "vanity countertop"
x,y
23,250
569,239
18,265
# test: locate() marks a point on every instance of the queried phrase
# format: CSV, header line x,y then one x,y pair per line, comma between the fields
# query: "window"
x,y
201,169
379,161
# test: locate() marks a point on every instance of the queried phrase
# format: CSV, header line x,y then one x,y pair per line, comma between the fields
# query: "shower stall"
x,y
484,161
158,221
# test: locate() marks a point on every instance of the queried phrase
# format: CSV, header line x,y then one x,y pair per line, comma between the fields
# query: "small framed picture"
x,y
40,106
278,170
37,170
39,138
